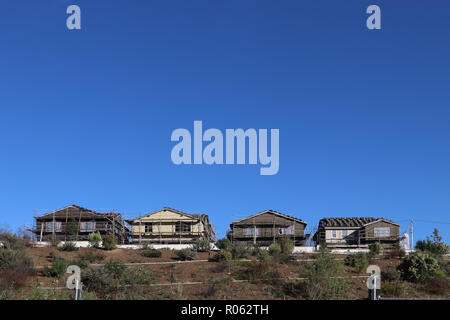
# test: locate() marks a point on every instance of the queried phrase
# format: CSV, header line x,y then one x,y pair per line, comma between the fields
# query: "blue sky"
x,y
86,116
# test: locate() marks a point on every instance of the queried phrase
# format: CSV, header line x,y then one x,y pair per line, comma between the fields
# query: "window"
x,y
87,226
287,230
182,227
344,233
382,232
148,227
334,234
53,226
251,231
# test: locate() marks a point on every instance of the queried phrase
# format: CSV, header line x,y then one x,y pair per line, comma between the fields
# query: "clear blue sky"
x,y
364,116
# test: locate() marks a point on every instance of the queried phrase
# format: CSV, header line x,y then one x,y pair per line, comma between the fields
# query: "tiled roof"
x,y
272,212
347,222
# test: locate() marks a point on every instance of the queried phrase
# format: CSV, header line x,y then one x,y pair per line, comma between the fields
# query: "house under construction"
x,y
75,223
170,226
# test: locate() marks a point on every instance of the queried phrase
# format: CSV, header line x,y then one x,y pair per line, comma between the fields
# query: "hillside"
x,y
167,277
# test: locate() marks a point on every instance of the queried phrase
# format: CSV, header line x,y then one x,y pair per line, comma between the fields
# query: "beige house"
x,y
168,226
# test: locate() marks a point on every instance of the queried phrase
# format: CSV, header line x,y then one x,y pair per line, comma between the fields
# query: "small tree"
x,y
433,245
187,254
201,245
71,228
109,242
322,278
375,248
224,244
418,267
95,239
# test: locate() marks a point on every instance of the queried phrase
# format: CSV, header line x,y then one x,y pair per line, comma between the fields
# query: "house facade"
x,y
171,226
267,227
357,232
75,223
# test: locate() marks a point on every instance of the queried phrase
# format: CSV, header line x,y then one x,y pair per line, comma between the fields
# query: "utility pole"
x,y
412,234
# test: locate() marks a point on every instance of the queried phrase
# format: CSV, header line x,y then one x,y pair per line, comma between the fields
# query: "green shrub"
x,y
187,254
58,268
322,276
14,259
71,228
151,253
240,251
69,246
138,276
418,267
444,265
115,268
392,289
95,239
274,249
390,275
201,245
360,261
84,259
12,242
223,255
264,255
98,280
109,242
434,245
260,271
286,245
375,248
224,244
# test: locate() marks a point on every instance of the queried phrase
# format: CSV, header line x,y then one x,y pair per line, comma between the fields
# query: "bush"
x,y
390,275
322,282
240,251
201,245
109,242
15,264
138,276
14,259
95,239
100,281
375,248
360,261
392,289
260,271
151,253
12,242
69,246
444,265
264,255
224,244
418,267
223,255
274,250
85,259
71,228
187,254
58,268
433,245
115,268
286,245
